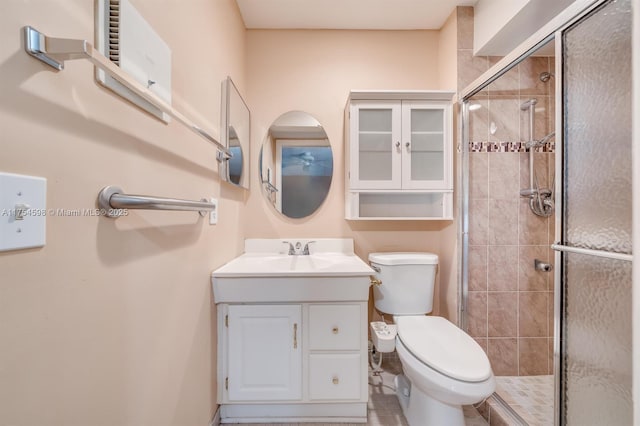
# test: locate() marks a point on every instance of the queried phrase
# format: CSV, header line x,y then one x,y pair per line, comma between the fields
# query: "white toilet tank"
x,y
407,282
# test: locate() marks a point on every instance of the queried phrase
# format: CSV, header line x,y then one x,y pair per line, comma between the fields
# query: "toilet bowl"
x,y
444,368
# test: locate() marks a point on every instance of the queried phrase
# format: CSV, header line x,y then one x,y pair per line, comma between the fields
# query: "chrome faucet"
x,y
306,248
297,249
292,250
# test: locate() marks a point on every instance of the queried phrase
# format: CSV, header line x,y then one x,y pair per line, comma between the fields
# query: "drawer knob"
x,y
335,330
335,380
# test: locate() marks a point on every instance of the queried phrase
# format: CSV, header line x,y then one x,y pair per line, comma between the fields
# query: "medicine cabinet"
x,y
399,156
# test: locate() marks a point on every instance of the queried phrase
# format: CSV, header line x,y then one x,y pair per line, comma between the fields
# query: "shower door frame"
x,y
551,31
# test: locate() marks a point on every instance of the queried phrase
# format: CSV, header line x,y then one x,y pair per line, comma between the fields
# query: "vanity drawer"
x,y
334,327
334,376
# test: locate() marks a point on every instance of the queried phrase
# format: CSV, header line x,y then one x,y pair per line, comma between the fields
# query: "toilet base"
x,y
422,410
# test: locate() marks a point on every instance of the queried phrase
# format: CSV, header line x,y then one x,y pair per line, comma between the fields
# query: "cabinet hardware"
x,y
408,145
335,380
226,320
295,336
398,144
226,383
335,330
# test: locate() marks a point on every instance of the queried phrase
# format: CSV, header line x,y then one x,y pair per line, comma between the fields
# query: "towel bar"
x,y
111,198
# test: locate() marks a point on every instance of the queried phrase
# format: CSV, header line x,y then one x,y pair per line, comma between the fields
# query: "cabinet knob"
x,y
398,144
335,380
408,145
335,330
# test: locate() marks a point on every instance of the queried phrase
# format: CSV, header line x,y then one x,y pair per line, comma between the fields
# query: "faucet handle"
x,y
306,248
292,251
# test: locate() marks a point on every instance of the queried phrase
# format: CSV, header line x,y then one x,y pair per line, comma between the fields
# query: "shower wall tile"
x,y
504,116
541,170
528,278
508,84
503,270
478,221
478,268
533,229
478,175
464,15
503,355
533,356
470,68
503,314
530,70
503,176
477,313
479,120
532,314
482,342
503,222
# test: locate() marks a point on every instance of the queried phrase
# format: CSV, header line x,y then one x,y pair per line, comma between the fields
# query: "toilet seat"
x,y
444,347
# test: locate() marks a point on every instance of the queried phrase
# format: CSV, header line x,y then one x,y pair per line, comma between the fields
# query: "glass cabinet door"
x,y
375,148
425,153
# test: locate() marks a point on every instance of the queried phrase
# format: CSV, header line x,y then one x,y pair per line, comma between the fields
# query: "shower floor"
x,y
530,396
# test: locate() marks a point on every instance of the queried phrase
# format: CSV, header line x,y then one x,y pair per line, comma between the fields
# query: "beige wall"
x,y
313,71
112,322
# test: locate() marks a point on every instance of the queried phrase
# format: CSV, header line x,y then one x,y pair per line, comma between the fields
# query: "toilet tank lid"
x,y
404,258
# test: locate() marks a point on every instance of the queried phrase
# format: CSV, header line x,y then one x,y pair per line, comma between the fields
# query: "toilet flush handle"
x,y
374,280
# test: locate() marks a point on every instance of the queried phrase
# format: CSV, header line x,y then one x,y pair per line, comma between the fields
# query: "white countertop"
x,y
268,258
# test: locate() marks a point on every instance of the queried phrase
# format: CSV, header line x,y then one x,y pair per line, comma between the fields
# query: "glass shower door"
x,y
595,251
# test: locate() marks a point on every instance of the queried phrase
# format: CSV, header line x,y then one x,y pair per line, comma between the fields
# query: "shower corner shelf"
x,y
55,51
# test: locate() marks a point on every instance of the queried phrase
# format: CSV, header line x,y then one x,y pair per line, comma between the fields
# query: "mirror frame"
x,y
231,100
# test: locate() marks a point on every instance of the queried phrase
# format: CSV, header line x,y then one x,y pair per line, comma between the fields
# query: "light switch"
x,y
23,211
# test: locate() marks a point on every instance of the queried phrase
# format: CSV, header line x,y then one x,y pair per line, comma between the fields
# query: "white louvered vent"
x,y
114,31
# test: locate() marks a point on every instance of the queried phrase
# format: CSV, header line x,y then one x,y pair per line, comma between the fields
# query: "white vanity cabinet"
x,y
399,155
296,361
292,334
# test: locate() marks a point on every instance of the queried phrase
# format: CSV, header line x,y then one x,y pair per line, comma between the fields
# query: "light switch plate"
x,y
213,215
23,211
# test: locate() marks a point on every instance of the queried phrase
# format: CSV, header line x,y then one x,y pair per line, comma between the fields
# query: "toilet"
x,y
444,368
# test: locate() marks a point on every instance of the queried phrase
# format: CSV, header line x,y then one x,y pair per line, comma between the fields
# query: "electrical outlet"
x,y
213,215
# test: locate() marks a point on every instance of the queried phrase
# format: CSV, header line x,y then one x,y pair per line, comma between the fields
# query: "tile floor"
x,y
383,407
530,396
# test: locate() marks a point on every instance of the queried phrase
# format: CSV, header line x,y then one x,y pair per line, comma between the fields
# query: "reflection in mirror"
x,y
235,126
296,164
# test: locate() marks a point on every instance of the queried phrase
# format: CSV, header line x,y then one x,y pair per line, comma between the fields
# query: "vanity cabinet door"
x,y
265,352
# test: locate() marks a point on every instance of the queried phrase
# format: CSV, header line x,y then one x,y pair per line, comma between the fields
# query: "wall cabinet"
x,y
399,155
293,361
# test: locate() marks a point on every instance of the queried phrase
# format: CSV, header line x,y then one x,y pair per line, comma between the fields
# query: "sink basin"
x,y
263,276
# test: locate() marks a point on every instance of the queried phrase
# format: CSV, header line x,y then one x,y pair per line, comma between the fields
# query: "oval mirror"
x,y
296,164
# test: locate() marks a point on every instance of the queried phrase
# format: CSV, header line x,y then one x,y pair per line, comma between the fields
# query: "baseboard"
x,y
215,421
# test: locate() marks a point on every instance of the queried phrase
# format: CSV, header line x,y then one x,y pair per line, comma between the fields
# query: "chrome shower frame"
x,y
551,30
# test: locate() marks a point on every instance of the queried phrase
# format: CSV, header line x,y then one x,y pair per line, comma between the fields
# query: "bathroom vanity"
x,y
292,332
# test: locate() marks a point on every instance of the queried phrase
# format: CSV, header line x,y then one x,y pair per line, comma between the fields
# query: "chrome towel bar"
x,y
55,51
590,252
112,201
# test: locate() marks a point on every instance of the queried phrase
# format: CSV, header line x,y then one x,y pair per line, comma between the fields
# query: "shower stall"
x,y
545,178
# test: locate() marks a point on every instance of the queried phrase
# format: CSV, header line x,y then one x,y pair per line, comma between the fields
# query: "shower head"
x,y
546,76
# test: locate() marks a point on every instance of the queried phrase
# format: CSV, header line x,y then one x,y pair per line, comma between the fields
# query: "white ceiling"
x,y
348,14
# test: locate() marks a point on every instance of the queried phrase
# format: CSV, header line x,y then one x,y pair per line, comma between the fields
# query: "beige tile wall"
x,y
510,305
